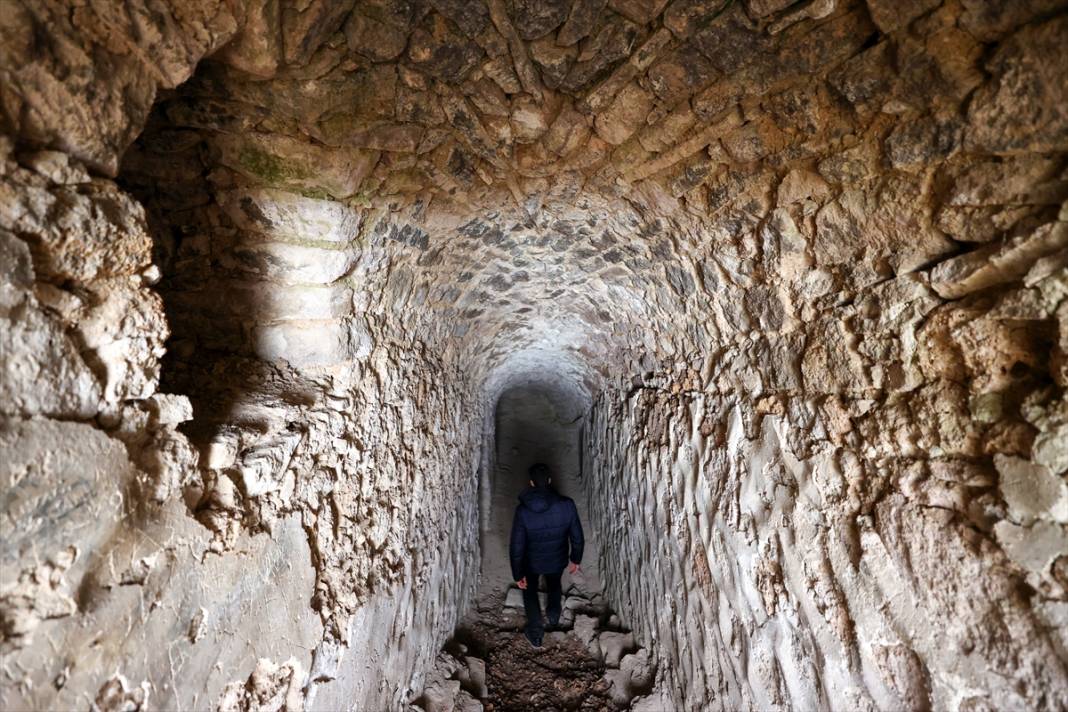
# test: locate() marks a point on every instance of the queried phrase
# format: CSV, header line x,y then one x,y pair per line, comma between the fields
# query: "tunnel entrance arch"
x,y
531,422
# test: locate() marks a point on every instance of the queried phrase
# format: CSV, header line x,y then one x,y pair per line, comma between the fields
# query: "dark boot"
x,y
554,594
535,627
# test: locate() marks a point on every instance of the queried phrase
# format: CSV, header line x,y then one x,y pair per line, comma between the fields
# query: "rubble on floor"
x,y
589,662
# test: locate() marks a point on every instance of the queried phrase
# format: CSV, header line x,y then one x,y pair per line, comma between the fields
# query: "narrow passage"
x,y
592,661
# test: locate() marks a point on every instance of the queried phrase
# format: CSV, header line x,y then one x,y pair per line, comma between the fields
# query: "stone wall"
x,y
859,497
310,495
266,267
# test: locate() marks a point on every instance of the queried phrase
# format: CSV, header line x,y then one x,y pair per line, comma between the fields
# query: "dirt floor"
x,y
560,676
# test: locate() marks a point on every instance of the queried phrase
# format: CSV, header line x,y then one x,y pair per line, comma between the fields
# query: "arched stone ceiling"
x,y
565,173
814,252
622,152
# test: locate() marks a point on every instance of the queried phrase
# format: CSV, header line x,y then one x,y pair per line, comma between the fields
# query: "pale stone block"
x,y
288,215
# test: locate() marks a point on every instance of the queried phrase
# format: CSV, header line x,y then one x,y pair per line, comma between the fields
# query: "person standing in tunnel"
x,y
545,526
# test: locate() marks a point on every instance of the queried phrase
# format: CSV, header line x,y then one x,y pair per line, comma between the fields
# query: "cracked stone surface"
x,y
797,272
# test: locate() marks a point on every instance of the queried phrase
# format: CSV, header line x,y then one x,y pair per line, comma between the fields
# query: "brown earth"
x,y
560,676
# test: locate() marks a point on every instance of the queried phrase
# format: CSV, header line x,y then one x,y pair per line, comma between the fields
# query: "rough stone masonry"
x,y
267,265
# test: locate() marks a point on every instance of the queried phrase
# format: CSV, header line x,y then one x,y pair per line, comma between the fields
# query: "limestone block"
x,y
613,41
585,629
277,576
755,140
614,646
657,701
340,130
830,364
641,668
813,10
289,263
567,133
866,79
997,263
990,21
626,114
374,38
304,28
312,343
42,369
922,142
435,48
280,161
890,16
257,46
474,679
230,306
221,452
59,481
854,164
501,71
269,301
1033,547
978,223
872,220
447,664
440,696
800,184
56,166
80,233
534,19
467,703
639,11
1014,180
529,121
287,215
552,59
580,21
1022,108
619,687
573,602
679,74
169,409
1031,490
16,271
1051,449
263,466
124,333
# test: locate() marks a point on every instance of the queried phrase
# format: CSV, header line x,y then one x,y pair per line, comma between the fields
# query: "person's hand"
x,y
573,568
522,583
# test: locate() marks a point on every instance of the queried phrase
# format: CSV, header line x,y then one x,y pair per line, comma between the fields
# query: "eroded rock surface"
x,y
267,267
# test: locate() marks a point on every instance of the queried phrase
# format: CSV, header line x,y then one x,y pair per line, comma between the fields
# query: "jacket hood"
x,y
538,499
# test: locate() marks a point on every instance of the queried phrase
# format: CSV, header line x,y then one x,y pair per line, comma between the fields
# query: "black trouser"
x,y
535,626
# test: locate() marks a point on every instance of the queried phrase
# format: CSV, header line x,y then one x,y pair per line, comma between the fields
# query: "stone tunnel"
x,y
292,292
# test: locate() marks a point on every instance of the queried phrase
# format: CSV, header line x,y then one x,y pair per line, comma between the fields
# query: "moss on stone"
x,y
272,169
317,193
987,407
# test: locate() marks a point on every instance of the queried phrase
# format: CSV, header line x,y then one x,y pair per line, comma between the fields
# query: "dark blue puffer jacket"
x,y
545,523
